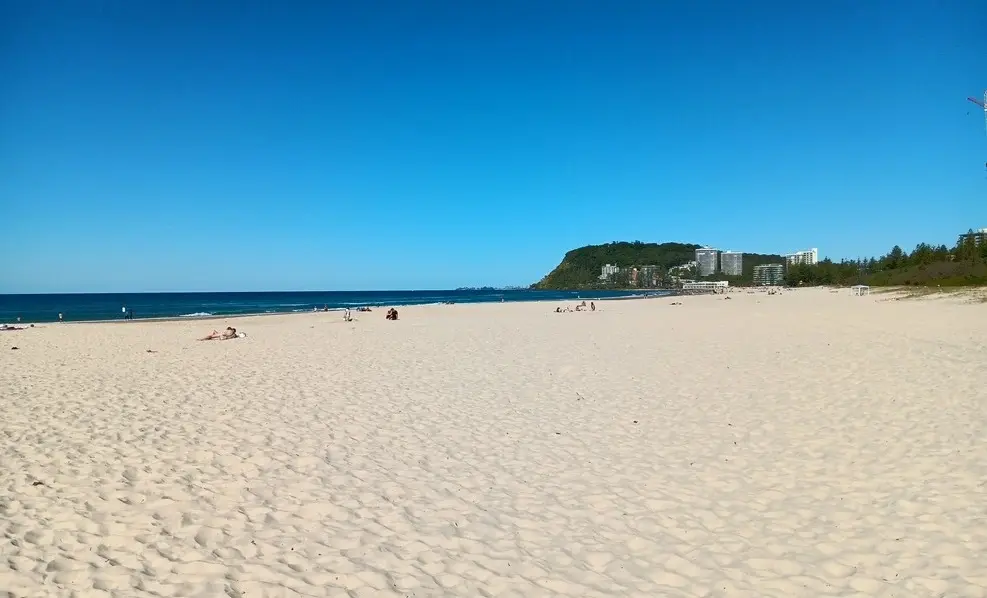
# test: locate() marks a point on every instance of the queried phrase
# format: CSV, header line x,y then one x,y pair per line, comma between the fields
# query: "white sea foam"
x,y
198,314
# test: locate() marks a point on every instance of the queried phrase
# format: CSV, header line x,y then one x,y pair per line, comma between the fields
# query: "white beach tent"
x,y
859,290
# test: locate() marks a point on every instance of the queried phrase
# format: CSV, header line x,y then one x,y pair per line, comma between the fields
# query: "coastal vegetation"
x,y
581,268
926,265
965,264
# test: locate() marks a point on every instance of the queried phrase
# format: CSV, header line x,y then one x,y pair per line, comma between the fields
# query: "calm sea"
x,y
109,306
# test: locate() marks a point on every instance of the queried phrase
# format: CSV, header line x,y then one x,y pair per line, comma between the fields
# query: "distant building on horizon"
x,y
809,257
732,263
707,260
977,237
769,274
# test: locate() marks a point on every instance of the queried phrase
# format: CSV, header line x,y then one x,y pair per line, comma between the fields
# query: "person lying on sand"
x,y
226,335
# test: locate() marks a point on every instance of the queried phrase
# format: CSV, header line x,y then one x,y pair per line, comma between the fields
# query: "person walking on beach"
x,y
60,319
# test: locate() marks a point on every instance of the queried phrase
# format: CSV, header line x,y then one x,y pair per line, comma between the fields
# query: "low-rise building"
x,y
647,276
608,271
769,274
708,286
976,237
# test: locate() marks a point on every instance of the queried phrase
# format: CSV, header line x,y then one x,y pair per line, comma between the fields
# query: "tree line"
x,y
927,264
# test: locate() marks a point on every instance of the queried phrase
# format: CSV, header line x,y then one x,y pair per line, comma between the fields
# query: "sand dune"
x,y
809,444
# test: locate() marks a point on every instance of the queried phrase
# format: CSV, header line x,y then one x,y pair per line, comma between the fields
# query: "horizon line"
x,y
480,288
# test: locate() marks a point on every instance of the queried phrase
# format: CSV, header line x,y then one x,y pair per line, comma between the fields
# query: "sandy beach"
x,y
810,444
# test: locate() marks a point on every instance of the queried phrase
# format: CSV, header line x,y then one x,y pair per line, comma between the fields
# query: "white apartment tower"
x,y
707,260
808,257
732,263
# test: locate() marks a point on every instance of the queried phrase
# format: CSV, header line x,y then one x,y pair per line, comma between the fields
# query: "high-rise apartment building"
x,y
769,274
707,260
808,257
732,263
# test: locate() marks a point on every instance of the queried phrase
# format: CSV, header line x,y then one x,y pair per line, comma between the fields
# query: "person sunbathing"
x,y
216,335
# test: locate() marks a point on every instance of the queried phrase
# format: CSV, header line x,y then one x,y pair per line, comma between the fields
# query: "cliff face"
x,y
580,268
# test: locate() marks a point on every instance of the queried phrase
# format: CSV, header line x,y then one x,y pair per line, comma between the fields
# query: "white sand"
x,y
810,444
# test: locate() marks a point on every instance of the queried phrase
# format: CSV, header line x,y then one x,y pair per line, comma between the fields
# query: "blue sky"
x,y
180,145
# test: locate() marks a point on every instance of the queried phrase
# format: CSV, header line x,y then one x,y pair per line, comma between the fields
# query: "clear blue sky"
x,y
183,145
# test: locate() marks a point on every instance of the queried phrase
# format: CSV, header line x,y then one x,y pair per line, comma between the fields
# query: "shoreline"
x,y
353,308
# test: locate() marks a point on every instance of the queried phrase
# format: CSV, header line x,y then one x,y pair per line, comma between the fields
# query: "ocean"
x,y
109,306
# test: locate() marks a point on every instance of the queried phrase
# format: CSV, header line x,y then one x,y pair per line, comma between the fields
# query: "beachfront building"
x,y
732,263
769,274
706,286
643,276
647,276
809,257
707,259
977,237
675,271
608,272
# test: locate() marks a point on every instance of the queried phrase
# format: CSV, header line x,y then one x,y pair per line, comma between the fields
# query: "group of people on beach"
x,y
231,333
580,307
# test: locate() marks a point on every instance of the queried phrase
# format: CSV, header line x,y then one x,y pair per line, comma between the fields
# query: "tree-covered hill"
x,y
964,264
580,268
